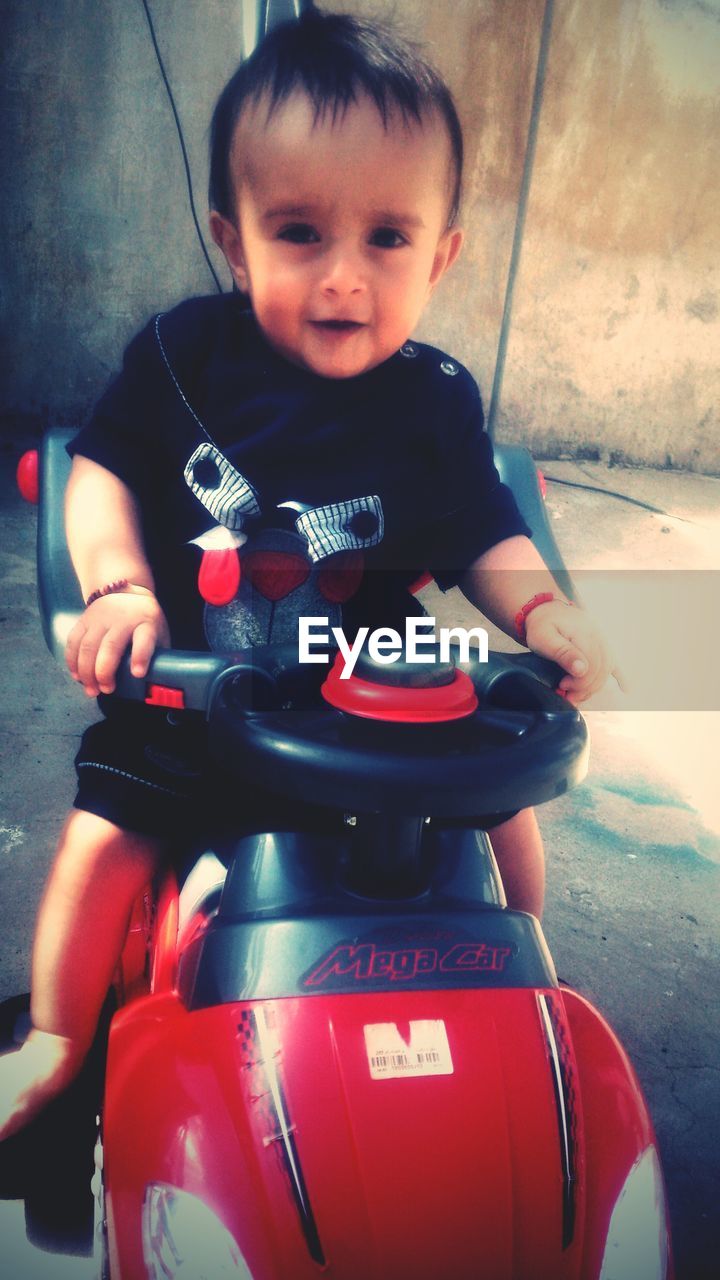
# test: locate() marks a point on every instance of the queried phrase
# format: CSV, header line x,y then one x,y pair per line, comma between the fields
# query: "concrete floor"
x,y
633,854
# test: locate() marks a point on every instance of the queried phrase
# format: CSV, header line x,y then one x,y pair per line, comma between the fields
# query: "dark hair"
x,y
332,58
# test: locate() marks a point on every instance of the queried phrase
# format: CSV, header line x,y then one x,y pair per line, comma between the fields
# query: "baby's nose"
x,y
343,272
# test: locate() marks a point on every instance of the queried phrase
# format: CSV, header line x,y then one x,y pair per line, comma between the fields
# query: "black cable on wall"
x,y
183,148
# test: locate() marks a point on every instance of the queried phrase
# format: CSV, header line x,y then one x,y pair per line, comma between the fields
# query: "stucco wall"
x,y
95,214
616,322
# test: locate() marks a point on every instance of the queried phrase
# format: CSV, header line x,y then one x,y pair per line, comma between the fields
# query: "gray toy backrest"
x,y
58,590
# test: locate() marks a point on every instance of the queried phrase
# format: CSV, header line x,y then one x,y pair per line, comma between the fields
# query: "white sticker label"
x,y
425,1053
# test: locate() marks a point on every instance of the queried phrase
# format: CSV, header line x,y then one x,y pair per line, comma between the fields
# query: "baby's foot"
x,y
31,1076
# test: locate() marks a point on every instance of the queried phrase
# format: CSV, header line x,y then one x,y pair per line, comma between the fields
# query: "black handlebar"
x,y
269,723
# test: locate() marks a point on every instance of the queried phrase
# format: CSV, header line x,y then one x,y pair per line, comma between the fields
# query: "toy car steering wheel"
x,y
520,746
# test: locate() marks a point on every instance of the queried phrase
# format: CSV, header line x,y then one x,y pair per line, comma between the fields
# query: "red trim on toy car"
x,y
27,476
162,695
399,703
164,960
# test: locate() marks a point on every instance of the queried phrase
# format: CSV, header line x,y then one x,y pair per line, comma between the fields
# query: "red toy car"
x,y
337,1050
350,1056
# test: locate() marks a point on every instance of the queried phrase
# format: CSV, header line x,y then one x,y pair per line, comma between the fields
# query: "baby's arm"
x,y
105,540
507,577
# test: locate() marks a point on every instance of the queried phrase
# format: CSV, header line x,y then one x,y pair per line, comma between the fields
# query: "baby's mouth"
x,y
338,326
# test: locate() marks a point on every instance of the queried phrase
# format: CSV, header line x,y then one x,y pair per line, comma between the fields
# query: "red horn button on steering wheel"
x,y
397,703
275,574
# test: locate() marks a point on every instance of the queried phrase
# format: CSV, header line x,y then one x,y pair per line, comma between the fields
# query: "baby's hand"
x,y
569,636
99,639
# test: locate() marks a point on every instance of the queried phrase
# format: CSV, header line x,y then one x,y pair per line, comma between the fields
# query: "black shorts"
x,y
149,770
144,769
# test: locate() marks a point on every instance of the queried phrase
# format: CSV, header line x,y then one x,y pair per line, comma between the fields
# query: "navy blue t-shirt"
x,y
409,432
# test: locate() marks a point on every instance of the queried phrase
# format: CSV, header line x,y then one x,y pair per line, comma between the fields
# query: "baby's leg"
x,y
518,847
98,872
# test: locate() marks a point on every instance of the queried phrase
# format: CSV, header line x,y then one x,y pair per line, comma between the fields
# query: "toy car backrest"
x,y
58,590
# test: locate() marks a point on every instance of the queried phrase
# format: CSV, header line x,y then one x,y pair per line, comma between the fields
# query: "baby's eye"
x,y
387,238
298,233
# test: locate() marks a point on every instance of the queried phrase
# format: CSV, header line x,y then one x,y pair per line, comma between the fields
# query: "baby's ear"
x,y
448,249
227,238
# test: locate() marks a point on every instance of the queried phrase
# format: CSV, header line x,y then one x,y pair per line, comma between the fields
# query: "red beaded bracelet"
x,y
117,587
543,597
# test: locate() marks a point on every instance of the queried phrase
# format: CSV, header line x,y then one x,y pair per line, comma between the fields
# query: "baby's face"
x,y
341,230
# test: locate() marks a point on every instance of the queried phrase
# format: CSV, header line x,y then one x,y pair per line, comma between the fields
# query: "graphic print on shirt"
x,y
261,571
221,488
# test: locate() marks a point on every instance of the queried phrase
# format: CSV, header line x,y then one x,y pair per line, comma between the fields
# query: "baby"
x,y
336,167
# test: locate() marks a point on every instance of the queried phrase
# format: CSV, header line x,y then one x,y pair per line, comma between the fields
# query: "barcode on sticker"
x,y
425,1052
